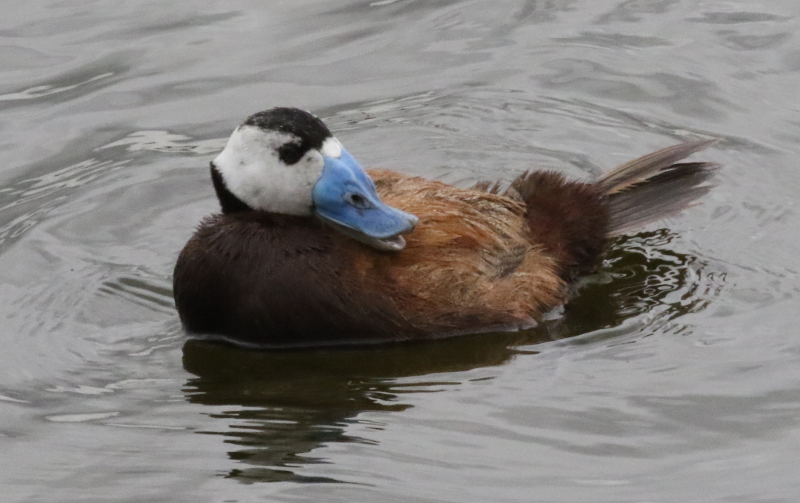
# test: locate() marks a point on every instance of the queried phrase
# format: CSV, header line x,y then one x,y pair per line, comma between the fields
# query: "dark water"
x,y
674,376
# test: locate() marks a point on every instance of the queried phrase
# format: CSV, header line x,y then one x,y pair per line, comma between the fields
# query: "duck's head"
x,y
287,161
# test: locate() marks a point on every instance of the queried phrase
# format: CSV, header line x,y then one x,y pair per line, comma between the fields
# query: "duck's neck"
x,y
229,202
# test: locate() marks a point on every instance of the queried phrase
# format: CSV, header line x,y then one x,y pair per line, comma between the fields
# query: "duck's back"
x,y
471,263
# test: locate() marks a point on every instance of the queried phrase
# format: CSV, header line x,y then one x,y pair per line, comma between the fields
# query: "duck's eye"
x,y
357,200
291,152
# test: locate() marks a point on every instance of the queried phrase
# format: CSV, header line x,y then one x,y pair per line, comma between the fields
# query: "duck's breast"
x,y
263,279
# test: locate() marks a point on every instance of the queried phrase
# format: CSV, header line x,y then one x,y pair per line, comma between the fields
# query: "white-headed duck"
x,y
311,249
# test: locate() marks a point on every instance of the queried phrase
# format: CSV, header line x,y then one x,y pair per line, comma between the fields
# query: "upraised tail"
x,y
573,220
655,186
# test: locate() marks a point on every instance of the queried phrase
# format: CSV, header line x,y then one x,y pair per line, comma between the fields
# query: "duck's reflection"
x,y
284,405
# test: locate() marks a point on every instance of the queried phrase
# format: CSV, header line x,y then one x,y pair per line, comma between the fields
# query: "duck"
x,y
311,249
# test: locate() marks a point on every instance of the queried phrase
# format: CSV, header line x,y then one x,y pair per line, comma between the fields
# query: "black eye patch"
x,y
291,152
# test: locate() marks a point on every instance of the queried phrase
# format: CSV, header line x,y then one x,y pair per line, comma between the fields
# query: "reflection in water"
x,y
641,275
286,404
289,403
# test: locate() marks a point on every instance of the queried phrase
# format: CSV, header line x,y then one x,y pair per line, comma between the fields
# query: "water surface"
x,y
673,376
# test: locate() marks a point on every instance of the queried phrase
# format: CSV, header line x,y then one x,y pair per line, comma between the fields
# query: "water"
x,y
674,376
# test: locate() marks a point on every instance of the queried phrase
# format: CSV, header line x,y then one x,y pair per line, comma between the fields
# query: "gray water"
x,y
673,377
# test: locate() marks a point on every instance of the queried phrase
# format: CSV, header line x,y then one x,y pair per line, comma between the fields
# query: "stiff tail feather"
x,y
573,220
655,186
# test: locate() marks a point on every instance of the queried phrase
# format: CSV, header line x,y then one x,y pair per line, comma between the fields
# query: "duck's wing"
x,y
470,262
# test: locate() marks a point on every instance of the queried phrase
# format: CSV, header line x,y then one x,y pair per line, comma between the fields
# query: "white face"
x,y
253,171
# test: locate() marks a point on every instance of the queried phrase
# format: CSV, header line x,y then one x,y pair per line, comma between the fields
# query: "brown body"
x,y
477,261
